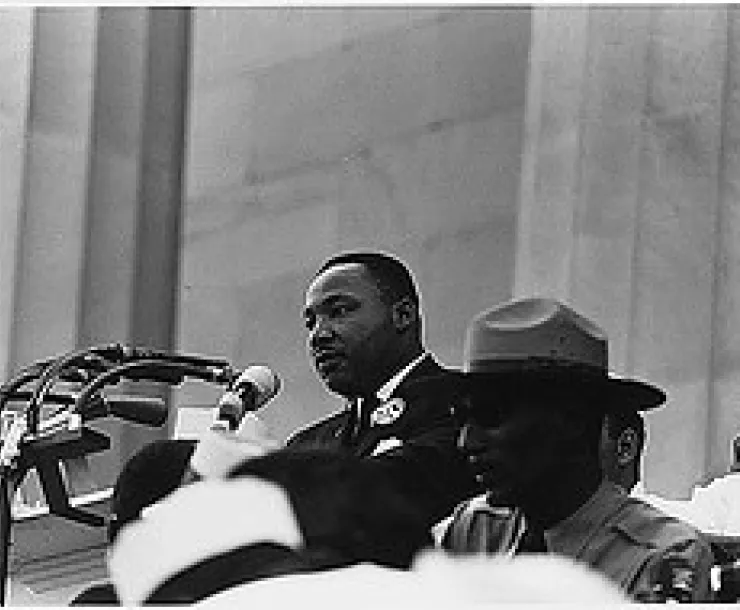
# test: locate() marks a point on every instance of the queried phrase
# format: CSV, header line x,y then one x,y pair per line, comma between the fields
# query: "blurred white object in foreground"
x,y
436,580
522,579
218,451
194,523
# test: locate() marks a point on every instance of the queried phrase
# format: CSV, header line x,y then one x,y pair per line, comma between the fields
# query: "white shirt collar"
x,y
386,390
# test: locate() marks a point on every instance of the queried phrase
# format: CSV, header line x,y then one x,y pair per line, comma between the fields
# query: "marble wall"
x,y
628,209
586,153
316,130
92,115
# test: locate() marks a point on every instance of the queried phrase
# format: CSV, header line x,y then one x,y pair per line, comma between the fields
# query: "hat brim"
x,y
612,391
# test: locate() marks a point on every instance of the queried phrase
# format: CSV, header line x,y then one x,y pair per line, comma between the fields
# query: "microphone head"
x,y
144,410
262,379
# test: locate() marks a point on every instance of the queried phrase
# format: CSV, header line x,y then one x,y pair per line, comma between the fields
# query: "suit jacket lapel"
x,y
337,434
346,432
370,438
426,368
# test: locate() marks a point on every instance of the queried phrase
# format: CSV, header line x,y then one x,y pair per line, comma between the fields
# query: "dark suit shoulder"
x,y
416,384
318,431
428,408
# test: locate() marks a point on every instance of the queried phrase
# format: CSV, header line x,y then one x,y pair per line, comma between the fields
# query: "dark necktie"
x,y
532,541
360,421
367,406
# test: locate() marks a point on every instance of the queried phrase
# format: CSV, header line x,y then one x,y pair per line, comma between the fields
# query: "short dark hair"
x,y
391,275
349,508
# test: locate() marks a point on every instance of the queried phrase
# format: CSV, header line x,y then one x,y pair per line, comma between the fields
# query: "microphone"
x,y
255,387
145,410
237,433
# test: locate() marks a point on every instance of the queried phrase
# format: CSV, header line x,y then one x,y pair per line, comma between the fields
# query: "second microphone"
x,y
255,387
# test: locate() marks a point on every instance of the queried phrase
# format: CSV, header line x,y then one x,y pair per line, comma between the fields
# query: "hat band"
x,y
533,364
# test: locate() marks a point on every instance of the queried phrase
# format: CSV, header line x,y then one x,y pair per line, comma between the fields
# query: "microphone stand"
x,y
5,518
110,364
13,469
8,452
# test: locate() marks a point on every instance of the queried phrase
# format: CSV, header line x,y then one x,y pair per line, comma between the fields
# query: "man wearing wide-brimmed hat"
x,y
534,393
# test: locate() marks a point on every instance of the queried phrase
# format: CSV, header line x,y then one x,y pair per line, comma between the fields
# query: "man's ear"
x,y
403,313
626,447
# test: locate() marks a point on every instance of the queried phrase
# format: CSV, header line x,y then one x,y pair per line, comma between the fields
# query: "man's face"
x,y
517,450
352,340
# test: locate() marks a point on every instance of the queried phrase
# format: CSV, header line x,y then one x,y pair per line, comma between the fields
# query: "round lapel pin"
x,y
388,412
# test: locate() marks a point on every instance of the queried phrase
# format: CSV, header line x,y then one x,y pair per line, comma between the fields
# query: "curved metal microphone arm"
x,y
147,353
22,377
11,390
93,368
154,370
101,359
81,365
112,352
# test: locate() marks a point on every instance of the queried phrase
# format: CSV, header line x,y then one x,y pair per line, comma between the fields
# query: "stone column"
x,y
48,252
16,32
132,238
724,422
96,126
622,200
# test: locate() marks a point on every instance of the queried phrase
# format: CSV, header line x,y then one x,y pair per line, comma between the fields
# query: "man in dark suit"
x,y
365,340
